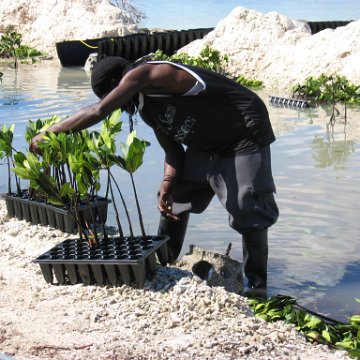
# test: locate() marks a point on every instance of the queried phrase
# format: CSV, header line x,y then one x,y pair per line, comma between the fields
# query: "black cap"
x,y
106,71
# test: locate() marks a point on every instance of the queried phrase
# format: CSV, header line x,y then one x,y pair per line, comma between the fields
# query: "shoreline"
x,y
175,316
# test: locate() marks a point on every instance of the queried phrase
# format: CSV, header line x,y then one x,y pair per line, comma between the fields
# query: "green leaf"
x,y
55,201
313,322
313,335
23,173
326,335
355,319
66,190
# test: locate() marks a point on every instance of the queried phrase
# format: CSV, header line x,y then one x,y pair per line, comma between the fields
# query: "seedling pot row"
x,y
37,212
114,261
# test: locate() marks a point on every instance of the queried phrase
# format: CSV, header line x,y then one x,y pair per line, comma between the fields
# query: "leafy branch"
x,y
329,89
315,327
11,46
209,59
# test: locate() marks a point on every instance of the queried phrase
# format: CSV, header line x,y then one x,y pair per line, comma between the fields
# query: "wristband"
x,y
168,178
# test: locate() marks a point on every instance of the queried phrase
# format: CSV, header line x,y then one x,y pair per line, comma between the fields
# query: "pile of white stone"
x,y
43,23
280,51
175,316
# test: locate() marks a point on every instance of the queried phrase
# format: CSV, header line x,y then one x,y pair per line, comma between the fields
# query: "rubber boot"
x,y
255,258
176,229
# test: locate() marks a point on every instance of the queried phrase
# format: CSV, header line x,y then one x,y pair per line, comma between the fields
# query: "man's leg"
x,y
255,257
245,187
191,193
176,230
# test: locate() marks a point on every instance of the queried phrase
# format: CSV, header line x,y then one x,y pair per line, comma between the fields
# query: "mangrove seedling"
x,y
10,46
329,89
132,157
103,145
9,43
6,151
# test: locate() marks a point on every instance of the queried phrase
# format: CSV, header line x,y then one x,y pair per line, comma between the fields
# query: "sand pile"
x,y
43,23
280,51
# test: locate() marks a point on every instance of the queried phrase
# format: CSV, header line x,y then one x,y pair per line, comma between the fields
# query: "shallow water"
x,y
314,247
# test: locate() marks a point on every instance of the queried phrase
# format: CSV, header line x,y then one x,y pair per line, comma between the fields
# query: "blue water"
x,y
189,14
314,247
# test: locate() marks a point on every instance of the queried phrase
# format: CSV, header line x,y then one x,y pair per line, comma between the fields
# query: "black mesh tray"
x,y
113,261
38,212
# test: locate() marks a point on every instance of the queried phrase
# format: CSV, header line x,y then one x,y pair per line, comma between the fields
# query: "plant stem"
x,y
117,218
138,209
92,218
124,204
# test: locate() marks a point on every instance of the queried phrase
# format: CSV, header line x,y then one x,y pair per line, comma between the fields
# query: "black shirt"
x,y
224,117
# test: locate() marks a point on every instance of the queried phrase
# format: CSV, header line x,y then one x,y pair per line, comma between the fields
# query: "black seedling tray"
x,y
285,102
38,212
113,261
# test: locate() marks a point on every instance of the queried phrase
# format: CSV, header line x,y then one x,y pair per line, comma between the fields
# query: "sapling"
x,y
6,151
132,157
103,144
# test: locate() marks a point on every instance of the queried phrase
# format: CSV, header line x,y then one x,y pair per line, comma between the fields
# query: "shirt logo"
x,y
179,132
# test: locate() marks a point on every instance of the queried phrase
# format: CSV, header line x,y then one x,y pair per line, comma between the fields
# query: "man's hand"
x,y
166,201
34,145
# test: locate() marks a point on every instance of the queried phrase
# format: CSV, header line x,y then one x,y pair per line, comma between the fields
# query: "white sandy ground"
x,y
175,316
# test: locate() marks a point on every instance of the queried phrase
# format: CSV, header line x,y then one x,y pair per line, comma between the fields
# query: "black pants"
x,y
245,187
242,182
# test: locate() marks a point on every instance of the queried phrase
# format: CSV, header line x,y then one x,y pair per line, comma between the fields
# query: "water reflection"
x,y
327,152
314,247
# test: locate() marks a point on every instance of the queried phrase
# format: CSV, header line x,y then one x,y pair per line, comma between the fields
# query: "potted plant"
x,y
95,256
6,153
53,194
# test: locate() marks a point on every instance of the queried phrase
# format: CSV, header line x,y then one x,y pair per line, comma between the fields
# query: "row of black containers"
x,y
113,260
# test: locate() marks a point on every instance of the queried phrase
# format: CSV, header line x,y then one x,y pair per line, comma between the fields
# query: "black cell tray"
x,y
285,102
114,261
38,212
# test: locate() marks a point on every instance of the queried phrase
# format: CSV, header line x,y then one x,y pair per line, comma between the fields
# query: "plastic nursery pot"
x,y
39,212
114,261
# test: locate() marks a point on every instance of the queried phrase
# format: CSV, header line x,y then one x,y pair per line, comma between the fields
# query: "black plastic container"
x,y
115,261
285,102
38,212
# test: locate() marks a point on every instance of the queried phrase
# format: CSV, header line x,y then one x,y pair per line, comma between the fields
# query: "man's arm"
x,y
157,79
173,166
132,83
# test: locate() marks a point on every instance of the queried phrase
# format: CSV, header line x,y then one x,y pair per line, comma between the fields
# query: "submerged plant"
x,y
11,46
329,89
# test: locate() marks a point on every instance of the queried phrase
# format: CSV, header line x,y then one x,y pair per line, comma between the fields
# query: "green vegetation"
x,y
249,83
6,148
11,47
330,90
316,328
66,173
209,59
